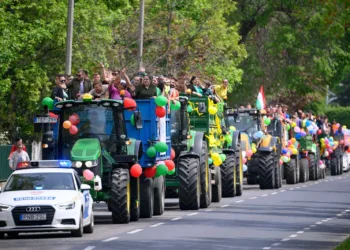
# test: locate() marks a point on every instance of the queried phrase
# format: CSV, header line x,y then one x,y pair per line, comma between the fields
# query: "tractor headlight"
x,y
77,164
90,164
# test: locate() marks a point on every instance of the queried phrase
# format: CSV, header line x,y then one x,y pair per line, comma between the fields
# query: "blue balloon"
x,y
308,123
311,132
297,136
245,168
284,151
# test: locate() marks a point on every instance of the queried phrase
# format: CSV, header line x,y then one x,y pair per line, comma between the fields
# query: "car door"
x,y
84,199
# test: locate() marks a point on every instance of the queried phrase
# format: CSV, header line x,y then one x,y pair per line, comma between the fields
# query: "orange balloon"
x,y
172,154
188,91
170,164
122,93
67,124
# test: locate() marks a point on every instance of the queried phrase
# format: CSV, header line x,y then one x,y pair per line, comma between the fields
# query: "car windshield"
x,y
40,181
246,124
94,122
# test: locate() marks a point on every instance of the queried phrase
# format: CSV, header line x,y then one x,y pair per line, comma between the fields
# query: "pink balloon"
x,y
330,151
249,153
321,162
341,141
244,160
88,175
297,130
74,119
281,162
73,130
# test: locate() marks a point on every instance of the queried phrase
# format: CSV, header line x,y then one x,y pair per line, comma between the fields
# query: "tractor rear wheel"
x,y
205,177
228,176
304,169
290,170
313,167
217,187
334,166
239,173
267,170
120,196
189,183
135,198
146,197
159,195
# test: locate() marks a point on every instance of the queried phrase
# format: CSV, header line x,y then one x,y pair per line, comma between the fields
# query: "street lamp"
x,y
69,40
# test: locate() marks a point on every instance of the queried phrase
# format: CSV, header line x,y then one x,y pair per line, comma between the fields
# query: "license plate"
x,y
25,217
45,120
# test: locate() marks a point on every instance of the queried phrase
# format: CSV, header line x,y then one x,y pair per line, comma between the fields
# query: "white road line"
x,y
239,201
300,232
304,186
156,225
283,191
326,180
267,248
306,228
325,220
177,218
208,210
252,198
135,231
89,248
297,187
329,218
312,225
192,214
343,212
316,182
264,195
318,223
291,189
339,215
276,244
274,193
225,205
293,236
286,239
110,239
347,210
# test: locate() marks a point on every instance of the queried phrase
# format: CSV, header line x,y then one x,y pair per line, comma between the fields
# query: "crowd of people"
x,y
115,84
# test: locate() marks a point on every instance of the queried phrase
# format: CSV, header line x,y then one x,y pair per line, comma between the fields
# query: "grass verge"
x,y
345,245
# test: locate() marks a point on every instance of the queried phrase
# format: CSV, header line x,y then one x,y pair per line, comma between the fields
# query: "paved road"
x,y
314,215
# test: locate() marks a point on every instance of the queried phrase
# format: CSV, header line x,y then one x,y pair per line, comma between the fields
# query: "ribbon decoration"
x,y
194,108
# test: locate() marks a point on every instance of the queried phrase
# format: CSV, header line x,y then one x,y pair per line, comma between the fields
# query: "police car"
x,y
43,196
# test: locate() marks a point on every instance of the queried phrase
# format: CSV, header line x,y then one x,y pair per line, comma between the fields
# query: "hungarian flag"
x,y
260,101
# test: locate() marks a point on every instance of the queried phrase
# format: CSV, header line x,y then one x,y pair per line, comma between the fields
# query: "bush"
x,y
339,114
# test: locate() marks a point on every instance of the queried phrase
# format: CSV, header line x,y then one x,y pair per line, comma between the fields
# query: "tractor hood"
x,y
87,149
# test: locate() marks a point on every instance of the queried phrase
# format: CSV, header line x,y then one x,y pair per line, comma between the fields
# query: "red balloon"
x,y
150,172
160,111
74,119
136,170
129,103
170,164
73,130
172,154
319,132
348,150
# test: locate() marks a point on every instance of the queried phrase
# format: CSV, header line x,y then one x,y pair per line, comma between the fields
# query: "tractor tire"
x,y
189,183
135,197
304,169
146,197
267,171
318,158
290,170
205,177
298,168
313,167
278,175
340,160
334,166
217,188
228,176
159,195
120,196
171,193
252,179
239,175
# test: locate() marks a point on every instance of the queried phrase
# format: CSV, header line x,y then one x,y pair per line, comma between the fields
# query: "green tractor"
x,y
224,147
192,180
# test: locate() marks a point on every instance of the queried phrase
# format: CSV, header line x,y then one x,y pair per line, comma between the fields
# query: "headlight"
x,y
77,164
4,207
67,205
90,164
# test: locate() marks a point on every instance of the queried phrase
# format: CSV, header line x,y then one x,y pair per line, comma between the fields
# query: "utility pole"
x,y
141,25
69,40
330,96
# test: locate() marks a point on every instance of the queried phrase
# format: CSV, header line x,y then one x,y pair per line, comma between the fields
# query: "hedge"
x,y
339,114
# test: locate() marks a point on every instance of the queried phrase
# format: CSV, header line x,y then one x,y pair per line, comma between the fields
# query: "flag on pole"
x,y
260,101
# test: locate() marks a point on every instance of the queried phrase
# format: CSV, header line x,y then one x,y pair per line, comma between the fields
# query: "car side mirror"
x,y
85,187
0,189
138,119
201,107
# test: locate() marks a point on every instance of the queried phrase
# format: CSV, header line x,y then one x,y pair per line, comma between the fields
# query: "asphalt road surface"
x,y
314,215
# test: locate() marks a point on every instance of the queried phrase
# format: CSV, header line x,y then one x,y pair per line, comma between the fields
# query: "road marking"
x,y
340,178
252,198
312,225
300,232
276,244
339,215
89,248
343,212
304,186
135,231
325,220
110,239
316,182
156,225
267,248
177,218
347,210
192,214
283,191
274,193
318,223
239,201
306,228
286,239
291,189
264,195
329,218
297,187
326,180
293,235
208,210
225,205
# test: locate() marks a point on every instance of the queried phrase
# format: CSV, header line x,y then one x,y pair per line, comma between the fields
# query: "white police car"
x,y
45,196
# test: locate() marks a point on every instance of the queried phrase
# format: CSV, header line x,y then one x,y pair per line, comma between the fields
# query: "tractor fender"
x,y
236,137
198,143
138,149
268,144
188,155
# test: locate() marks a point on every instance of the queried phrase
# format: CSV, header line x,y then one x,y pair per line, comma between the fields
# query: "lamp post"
x,y
141,25
69,40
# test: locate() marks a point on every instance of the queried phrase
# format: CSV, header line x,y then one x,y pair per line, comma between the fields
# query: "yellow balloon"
x,y
217,162
294,151
212,110
232,128
294,124
215,156
322,140
293,140
254,150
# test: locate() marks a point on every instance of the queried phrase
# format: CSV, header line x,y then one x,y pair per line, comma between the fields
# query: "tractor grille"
x,y
48,210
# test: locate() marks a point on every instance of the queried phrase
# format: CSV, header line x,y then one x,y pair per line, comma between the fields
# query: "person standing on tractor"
x,y
221,90
79,86
146,90
195,87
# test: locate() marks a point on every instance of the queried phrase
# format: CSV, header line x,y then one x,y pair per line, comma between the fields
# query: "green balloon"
x,y
175,106
171,172
189,109
288,127
132,120
158,92
161,101
47,101
151,152
162,169
228,139
161,147
223,157
210,161
267,121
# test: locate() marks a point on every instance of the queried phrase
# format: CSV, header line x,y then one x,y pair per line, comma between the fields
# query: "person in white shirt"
x,y
18,156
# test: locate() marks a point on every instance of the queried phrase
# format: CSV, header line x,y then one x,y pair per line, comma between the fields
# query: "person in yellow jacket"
x,y
221,90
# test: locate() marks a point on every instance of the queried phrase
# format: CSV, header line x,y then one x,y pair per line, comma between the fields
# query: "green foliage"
x,y
339,114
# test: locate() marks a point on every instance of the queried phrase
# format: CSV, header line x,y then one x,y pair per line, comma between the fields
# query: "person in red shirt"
x,y
14,147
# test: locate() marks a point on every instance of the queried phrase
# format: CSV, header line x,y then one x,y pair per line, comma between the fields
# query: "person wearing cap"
x,y
59,91
18,156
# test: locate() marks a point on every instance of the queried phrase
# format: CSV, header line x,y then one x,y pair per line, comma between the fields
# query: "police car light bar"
x,y
45,164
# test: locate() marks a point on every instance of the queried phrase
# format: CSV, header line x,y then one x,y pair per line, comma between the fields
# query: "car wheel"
x,y
79,231
89,229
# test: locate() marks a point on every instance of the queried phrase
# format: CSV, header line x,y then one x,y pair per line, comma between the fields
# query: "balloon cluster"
x,y
288,151
329,145
161,101
162,168
258,135
309,127
216,159
71,124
